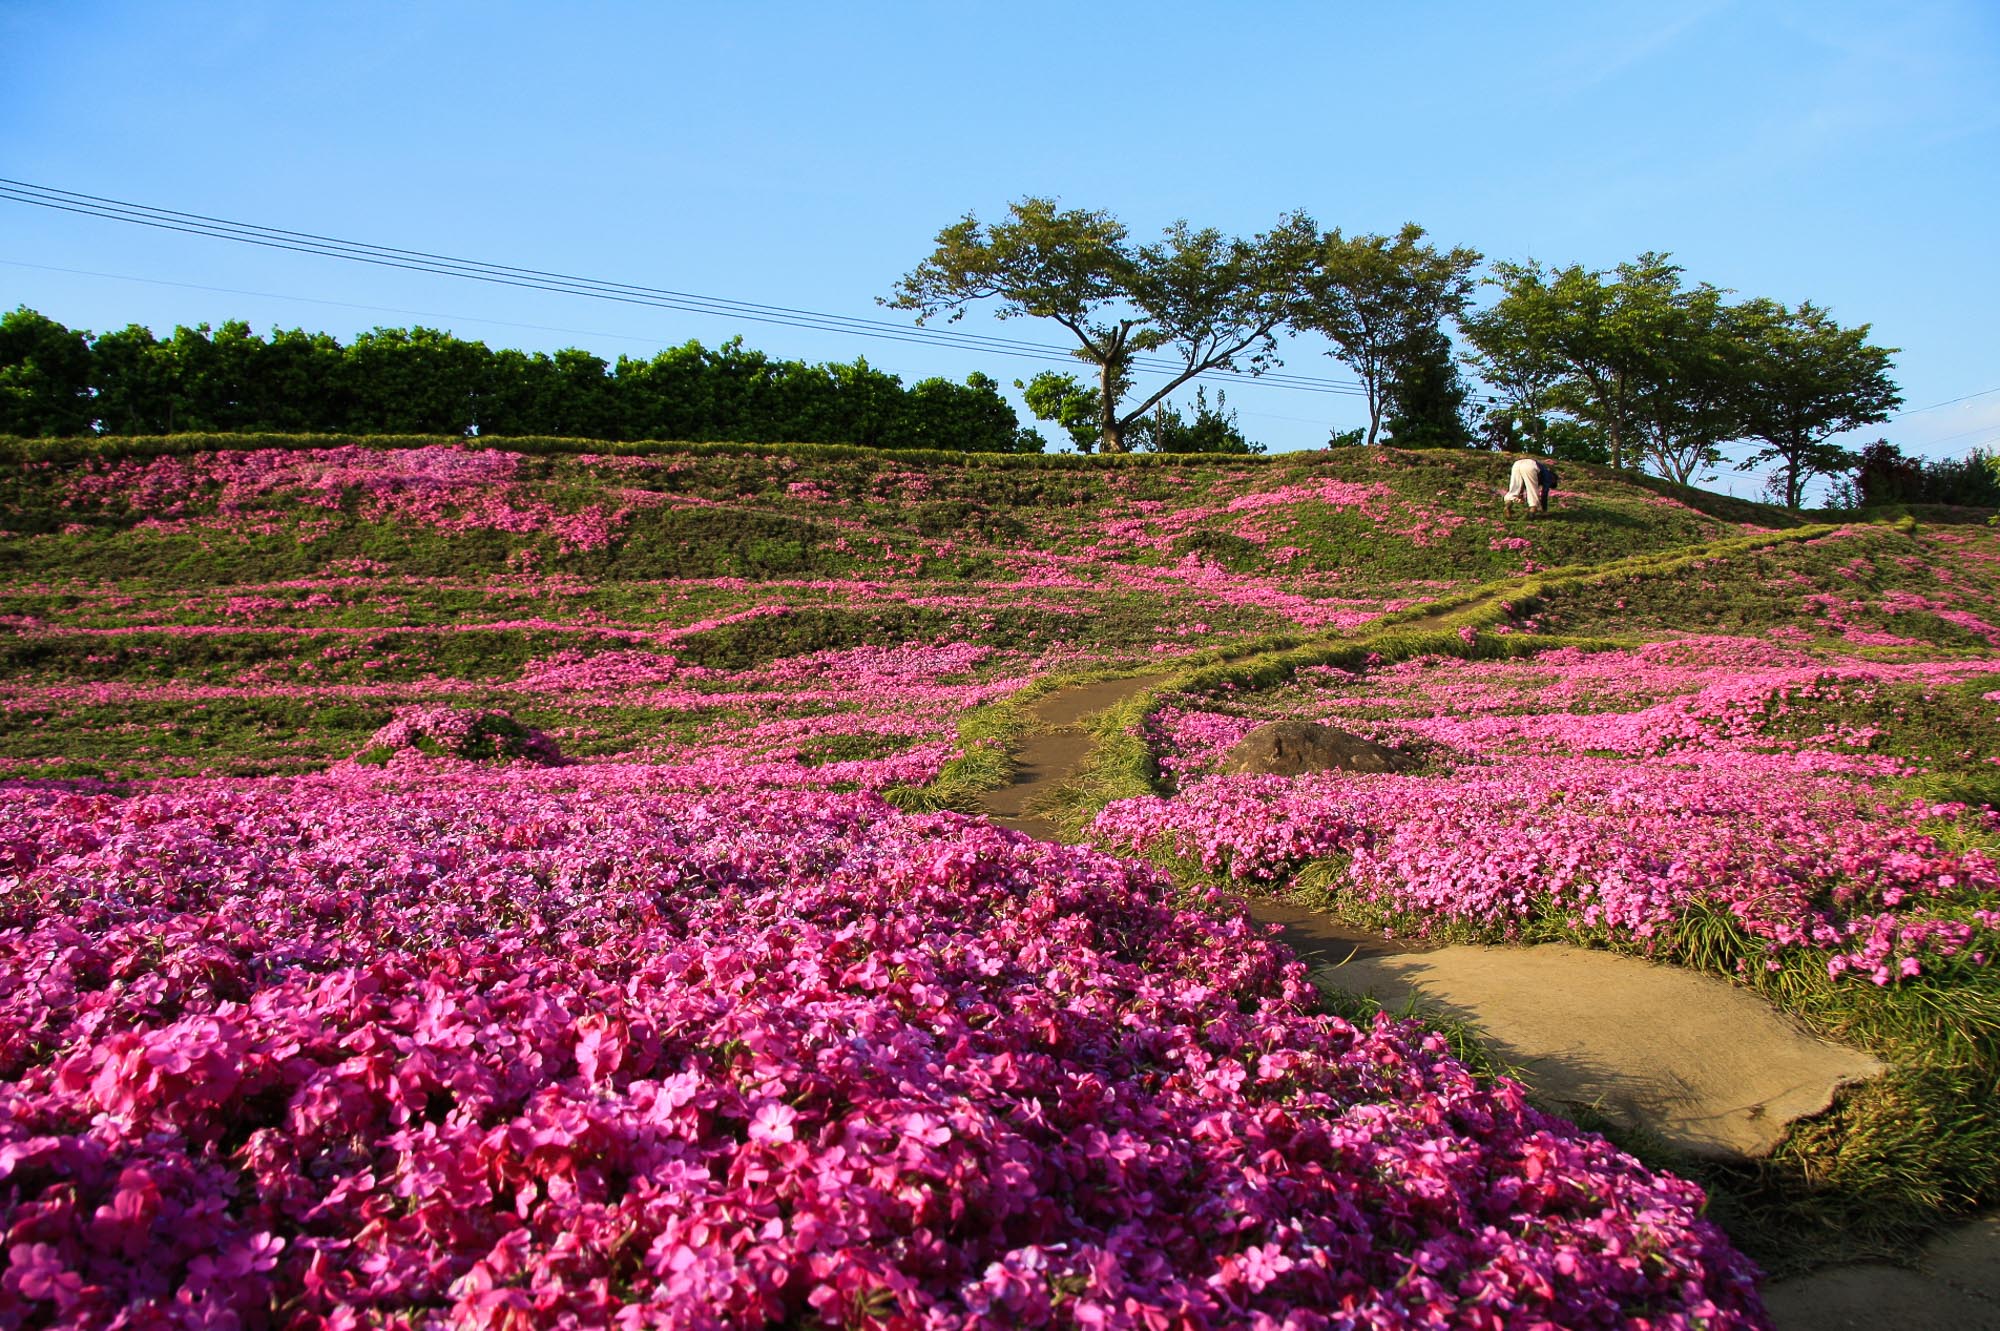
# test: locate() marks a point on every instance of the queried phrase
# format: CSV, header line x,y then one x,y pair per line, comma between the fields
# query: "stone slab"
x,y
1708,1067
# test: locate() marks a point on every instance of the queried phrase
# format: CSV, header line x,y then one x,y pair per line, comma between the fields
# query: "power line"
x,y
1987,428
304,242
337,304
1950,401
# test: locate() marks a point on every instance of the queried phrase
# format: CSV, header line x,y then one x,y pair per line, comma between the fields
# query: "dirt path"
x,y
1052,752
1709,1067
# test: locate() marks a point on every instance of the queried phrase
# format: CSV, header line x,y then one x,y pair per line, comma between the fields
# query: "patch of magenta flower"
x,y
1798,858
493,1053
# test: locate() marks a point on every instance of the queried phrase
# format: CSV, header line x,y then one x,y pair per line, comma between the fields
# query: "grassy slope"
x,y
1893,1160
276,579
316,609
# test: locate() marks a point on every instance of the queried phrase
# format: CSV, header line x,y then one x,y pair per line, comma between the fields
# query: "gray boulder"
x,y
1292,748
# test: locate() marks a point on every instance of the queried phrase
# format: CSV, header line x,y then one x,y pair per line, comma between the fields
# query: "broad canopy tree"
x,y
1382,301
1667,373
1690,398
1213,302
1814,380
1579,340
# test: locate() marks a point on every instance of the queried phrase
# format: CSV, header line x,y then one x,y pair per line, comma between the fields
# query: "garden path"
x,y
1693,1060
1055,749
1954,1287
1688,1057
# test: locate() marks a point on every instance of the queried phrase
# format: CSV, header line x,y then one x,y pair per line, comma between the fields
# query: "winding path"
x,y
1706,1066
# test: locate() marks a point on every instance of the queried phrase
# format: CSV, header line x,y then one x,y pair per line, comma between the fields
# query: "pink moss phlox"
x,y
516,1055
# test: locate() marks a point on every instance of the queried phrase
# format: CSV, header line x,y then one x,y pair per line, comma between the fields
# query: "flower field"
x,y
1616,792
496,1054
447,886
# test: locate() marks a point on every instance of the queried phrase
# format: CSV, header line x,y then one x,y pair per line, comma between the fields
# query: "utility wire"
x,y
303,242
1950,401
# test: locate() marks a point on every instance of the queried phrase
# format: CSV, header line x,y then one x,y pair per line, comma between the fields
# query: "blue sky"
x,y
806,154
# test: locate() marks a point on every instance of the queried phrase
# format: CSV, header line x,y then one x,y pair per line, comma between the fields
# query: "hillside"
x,y
630,795
297,594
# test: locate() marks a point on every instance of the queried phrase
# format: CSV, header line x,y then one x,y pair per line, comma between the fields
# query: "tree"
x,y
294,388
1814,379
1424,400
1882,475
1692,396
1380,301
972,417
1207,429
1512,353
414,381
1213,301
44,376
1580,340
133,380
1065,401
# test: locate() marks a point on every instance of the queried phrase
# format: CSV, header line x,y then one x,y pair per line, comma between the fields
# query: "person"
x,y
1548,480
1524,485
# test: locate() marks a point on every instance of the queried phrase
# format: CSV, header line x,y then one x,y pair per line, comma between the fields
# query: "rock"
x,y
1291,748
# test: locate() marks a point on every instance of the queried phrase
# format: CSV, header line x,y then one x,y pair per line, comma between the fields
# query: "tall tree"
x,y
1814,379
1512,352
1602,334
1381,300
1213,301
1693,394
1424,399
44,376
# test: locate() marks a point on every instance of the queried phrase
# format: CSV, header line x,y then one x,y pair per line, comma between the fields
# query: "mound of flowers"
x,y
457,734
488,1052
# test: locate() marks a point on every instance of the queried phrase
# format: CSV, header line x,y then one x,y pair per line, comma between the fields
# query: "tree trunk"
x,y
1110,430
1615,425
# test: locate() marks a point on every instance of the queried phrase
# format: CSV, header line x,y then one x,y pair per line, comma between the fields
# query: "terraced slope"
x,y
291,597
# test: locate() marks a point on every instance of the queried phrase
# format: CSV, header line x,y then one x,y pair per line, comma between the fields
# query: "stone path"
x,y
1707,1066
1956,1287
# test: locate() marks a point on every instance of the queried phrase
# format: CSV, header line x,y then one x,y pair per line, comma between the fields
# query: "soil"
x,y
1954,1287
1055,748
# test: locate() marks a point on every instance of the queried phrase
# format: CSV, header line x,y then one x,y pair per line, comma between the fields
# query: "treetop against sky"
x,y
805,157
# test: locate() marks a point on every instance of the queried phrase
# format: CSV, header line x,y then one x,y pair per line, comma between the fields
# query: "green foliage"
x,y
44,376
1426,396
1667,373
421,381
1381,300
1695,394
1207,429
1062,400
1883,476
1813,380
